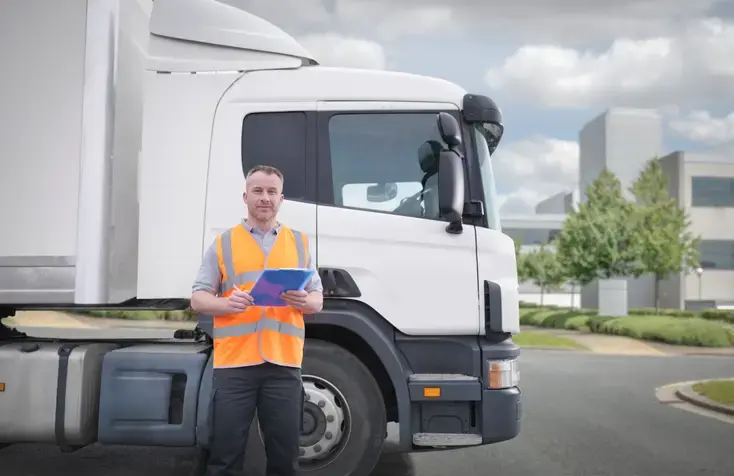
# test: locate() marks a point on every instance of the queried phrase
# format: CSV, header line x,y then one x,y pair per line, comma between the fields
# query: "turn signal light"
x,y
503,373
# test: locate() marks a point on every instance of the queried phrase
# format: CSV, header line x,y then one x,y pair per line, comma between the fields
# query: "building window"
x,y
717,254
278,139
386,162
712,192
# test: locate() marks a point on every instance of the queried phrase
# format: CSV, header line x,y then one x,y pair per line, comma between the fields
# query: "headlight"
x,y
503,373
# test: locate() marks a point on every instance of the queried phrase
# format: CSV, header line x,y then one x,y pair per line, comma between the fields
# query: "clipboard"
x,y
273,282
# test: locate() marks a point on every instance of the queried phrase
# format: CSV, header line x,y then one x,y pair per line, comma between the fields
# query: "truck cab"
x,y
388,174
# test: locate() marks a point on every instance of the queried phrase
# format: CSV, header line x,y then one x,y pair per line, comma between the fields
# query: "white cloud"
x,y
701,126
688,69
389,21
331,49
582,22
570,21
534,169
293,16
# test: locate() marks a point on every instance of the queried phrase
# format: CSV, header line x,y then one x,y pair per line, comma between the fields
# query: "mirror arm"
x,y
455,228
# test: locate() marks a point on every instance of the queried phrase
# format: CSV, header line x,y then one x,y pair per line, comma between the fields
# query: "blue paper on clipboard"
x,y
273,282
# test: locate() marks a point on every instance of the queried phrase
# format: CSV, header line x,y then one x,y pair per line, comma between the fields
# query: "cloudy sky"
x,y
551,65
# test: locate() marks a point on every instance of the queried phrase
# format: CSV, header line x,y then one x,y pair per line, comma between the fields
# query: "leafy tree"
x,y
522,269
666,245
544,270
598,241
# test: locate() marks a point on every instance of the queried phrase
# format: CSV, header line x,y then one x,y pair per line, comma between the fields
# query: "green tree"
x,y
544,269
598,240
666,245
521,258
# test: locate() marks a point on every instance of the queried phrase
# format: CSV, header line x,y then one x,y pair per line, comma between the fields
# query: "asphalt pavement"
x,y
584,414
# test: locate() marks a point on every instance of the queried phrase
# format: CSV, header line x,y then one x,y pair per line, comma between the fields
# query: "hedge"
x,y
726,315
678,330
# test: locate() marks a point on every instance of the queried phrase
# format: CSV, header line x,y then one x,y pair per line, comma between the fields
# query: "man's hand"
x,y
239,301
295,299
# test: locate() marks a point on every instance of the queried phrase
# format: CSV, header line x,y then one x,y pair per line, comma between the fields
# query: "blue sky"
x,y
555,64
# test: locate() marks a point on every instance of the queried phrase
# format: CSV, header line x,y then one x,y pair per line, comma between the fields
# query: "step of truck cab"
x,y
445,410
439,440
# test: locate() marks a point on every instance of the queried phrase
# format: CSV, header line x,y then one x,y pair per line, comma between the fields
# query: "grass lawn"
x,y
541,339
721,391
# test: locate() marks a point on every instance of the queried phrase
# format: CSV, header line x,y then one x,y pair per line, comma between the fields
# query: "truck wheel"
x,y
344,422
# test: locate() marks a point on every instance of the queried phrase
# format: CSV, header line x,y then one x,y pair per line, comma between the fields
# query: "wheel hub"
x,y
324,420
314,425
326,424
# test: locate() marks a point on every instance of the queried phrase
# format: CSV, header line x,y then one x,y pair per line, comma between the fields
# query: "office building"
x,y
560,203
622,141
704,187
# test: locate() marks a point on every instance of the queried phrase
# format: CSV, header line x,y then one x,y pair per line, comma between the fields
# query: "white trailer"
x,y
127,128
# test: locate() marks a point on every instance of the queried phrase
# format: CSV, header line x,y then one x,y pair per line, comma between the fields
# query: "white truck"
x,y
127,126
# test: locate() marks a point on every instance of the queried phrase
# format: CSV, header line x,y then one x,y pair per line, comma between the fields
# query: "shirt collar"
x,y
275,230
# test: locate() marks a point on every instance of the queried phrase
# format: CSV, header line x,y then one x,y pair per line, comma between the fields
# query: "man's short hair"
x,y
266,169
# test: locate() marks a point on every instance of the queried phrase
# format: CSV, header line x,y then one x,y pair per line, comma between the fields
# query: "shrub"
x,y
595,323
650,311
726,315
671,330
578,323
559,318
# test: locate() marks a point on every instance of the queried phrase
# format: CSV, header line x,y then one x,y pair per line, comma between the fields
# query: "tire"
x,y
360,447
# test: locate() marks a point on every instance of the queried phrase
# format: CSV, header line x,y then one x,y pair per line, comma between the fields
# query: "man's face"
x,y
263,195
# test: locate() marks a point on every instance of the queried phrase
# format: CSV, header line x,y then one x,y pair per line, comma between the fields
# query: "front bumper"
x,y
501,412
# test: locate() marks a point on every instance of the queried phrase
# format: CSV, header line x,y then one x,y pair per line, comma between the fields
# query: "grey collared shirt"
x,y
209,277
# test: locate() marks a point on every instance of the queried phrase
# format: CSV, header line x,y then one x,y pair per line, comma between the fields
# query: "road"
x,y
584,414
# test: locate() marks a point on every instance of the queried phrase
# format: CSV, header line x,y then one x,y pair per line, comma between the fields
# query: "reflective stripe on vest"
x,y
260,334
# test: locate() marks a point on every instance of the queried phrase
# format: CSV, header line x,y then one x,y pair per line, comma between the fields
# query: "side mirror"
x,y
450,174
383,192
477,109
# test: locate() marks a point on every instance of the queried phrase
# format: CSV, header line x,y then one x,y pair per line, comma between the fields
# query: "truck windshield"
x,y
485,169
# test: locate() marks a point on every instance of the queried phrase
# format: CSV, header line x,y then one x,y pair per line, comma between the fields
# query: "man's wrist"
x,y
314,302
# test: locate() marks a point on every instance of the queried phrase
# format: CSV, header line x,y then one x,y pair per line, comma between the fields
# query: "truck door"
x,y
496,262
247,134
378,218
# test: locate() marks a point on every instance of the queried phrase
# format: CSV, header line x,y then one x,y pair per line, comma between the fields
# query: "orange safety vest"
x,y
260,334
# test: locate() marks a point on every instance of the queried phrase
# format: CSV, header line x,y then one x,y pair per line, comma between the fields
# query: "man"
x,y
257,350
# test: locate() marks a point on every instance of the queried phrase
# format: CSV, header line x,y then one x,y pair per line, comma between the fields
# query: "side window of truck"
x,y
278,139
385,162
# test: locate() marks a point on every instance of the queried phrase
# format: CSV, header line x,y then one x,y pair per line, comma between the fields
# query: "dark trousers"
x,y
277,393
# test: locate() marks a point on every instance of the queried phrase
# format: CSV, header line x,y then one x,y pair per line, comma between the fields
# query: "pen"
x,y
238,289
